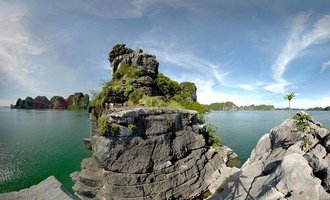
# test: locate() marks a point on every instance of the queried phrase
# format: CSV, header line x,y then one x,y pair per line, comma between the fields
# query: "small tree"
x,y
289,97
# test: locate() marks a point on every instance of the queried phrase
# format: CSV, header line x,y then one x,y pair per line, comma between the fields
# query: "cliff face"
x,y
290,162
150,153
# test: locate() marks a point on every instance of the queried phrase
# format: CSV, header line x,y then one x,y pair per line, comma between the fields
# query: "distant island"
x,y
319,109
230,106
76,101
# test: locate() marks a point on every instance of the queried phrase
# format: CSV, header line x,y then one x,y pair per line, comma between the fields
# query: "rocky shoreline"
x,y
290,162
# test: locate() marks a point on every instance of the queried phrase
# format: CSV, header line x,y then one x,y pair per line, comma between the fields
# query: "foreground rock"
x,y
150,153
290,162
48,189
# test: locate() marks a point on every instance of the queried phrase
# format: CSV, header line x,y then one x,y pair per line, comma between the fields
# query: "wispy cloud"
x,y
15,45
298,41
325,66
112,9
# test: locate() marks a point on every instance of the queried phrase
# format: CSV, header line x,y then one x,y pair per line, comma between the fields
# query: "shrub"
x,y
301,121
187,89
102,124
211,138
99,98
167,86
131,127
127,71
135,96
114,129
152,101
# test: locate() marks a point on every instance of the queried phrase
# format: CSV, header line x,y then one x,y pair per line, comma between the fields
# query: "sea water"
x,y
35,144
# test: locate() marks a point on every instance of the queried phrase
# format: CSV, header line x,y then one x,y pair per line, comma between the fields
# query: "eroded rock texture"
x,y
290,162
150,153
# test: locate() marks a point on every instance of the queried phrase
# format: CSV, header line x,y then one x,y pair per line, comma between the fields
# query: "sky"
x,y
247,52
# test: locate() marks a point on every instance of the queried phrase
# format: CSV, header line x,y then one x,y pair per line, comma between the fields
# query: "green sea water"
x,y
241,130
35,144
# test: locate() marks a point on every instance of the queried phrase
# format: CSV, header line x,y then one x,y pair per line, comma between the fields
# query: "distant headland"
x,y
230,106
76,101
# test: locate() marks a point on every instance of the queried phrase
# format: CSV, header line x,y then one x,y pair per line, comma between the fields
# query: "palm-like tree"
x,y
289,97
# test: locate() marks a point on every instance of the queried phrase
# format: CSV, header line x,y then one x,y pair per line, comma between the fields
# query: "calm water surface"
x,y
241,130
35,144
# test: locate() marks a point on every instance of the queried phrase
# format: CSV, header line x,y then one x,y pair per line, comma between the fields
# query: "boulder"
x,y
290,162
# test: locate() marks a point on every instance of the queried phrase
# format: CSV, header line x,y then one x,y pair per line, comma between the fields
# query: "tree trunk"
x,y
289,105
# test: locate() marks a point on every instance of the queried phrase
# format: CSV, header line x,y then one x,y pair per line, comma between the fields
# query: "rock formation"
x,y
77,101
41,102
150,153
50,189
58,102
290,162
134,76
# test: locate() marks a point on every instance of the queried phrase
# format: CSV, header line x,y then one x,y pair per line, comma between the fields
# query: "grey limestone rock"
x,y
287,163
158,154
48,189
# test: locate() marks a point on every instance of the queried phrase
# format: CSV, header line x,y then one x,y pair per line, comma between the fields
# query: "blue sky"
x,y
241,51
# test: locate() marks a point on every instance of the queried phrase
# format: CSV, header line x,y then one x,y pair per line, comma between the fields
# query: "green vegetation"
x,y
152,102
187,89
211,138
126,71
289,97
102,124
319,109
176,96
114,129
301,121
98,99
135,96
168,87
257,107
105,129
307,142
131,127
78,101
223,106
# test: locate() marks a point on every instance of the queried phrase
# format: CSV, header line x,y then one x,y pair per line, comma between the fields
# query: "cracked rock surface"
x,y
290,162
158,154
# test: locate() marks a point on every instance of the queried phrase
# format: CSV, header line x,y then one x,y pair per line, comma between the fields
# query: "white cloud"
x,y
325,66
249,87
15,45
298,41
305,103
112,9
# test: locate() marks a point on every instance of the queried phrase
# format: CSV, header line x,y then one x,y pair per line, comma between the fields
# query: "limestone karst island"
x,y
164,100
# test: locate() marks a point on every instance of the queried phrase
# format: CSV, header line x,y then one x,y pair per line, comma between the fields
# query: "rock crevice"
x,y
290,162
157,154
